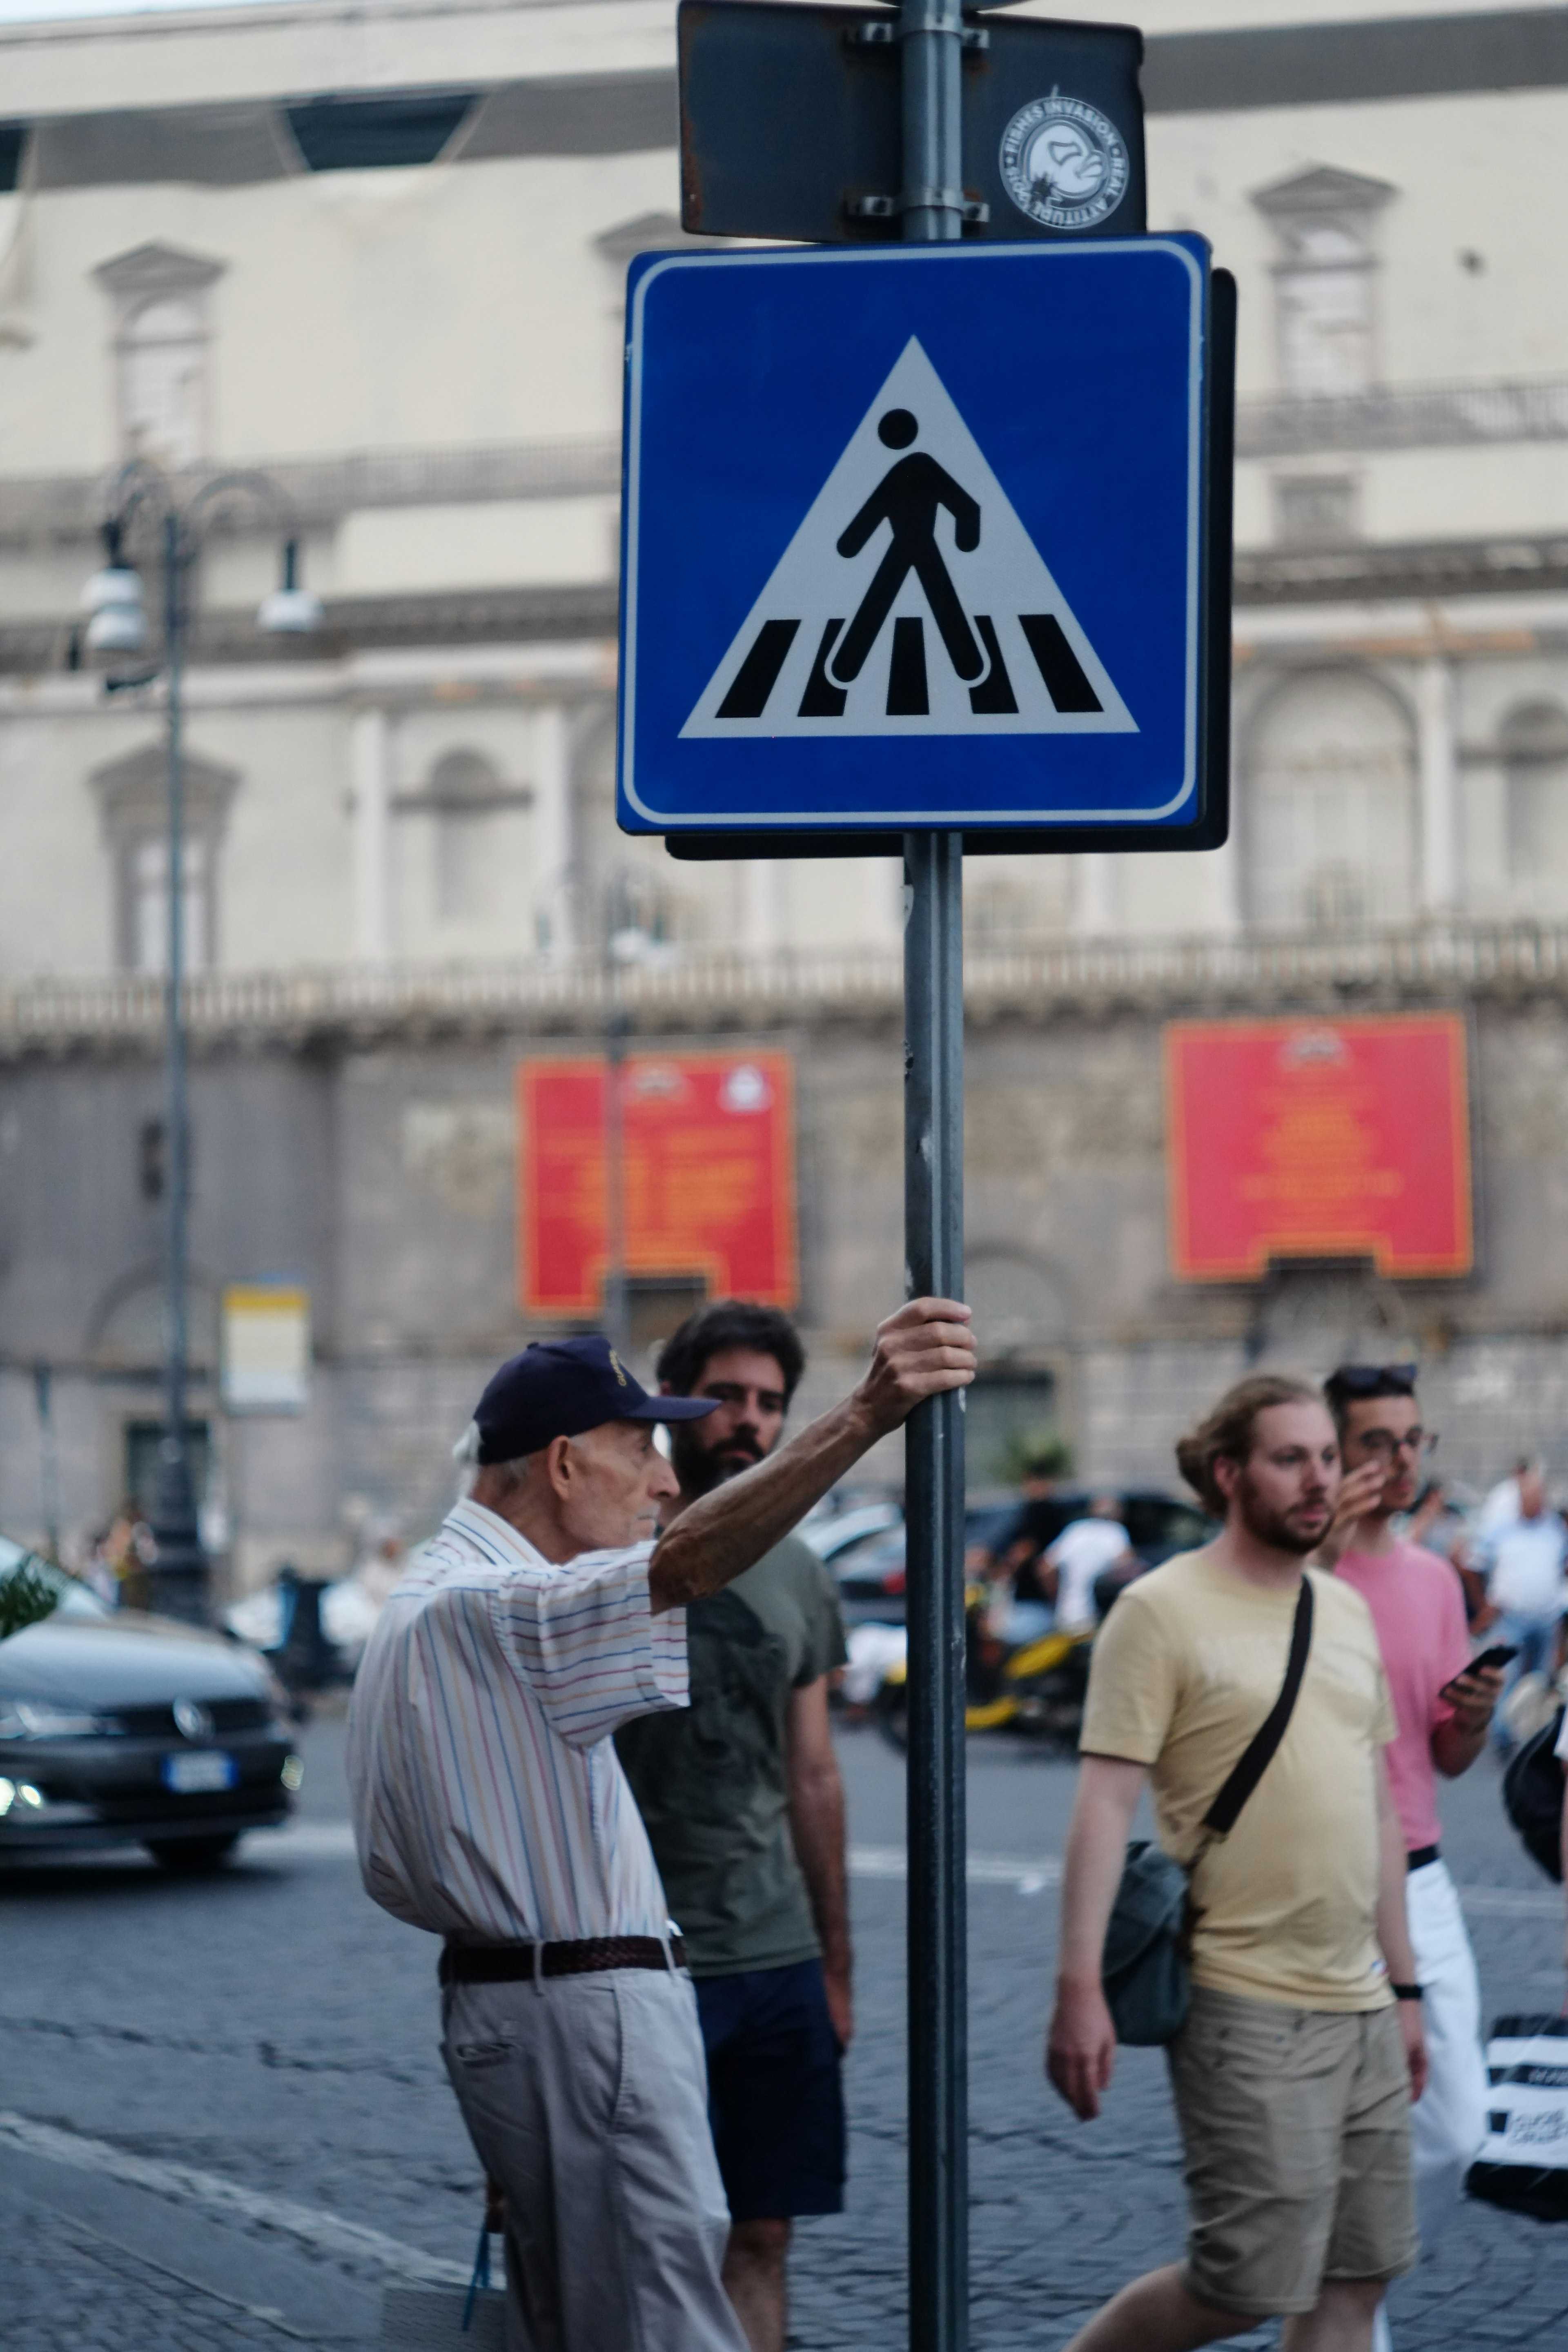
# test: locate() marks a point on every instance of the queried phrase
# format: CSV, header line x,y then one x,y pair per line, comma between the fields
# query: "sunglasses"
x,y
1367,1379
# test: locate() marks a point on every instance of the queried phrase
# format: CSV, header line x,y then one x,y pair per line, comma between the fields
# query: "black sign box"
x,y
790,125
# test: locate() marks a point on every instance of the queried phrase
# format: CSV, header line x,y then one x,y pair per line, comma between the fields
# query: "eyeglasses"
x,y
1366,1380
1383,1442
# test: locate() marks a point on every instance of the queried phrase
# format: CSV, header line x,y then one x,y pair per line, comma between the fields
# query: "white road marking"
x,y
301,1842
329,2233
1510,1901
1029,1874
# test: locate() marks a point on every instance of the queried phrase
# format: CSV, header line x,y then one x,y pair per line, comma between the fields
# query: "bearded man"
x,y
1303,2049
744,1810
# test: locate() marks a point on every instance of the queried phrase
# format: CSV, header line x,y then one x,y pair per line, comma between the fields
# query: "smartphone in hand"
x,y
1500,1655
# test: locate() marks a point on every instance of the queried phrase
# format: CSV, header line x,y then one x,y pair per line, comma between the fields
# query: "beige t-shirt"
x,y
1187,1668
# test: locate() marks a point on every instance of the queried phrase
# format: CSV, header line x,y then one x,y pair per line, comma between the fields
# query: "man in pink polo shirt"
x,y
1442,1710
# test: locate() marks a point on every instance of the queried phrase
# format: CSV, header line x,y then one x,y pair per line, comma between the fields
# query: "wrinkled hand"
x,y
924,1349
1414,2040
1473,1696
1360,1492
1080,2048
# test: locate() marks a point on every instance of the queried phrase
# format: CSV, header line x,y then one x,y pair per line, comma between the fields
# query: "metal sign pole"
x,y
931,34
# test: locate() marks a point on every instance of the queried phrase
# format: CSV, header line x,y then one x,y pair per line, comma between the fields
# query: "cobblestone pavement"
x,y
272,2034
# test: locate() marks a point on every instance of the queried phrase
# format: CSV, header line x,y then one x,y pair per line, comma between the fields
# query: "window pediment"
x,y
133,793
1322,189
129,279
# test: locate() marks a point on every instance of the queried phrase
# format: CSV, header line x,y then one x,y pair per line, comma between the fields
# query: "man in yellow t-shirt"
x,y
1294,2073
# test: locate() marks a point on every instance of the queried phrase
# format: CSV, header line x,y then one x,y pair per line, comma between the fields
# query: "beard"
x,y
1282,1530
700,1467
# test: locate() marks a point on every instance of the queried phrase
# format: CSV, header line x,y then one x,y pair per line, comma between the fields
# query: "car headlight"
x,y
30,1719
20,1793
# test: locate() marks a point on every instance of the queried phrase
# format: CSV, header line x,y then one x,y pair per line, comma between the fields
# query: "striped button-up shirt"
x,y
488,1801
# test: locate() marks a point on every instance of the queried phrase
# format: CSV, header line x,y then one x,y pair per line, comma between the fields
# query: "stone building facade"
x,y
378,251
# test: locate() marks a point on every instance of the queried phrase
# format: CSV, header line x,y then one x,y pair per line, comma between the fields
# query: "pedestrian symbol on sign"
x,y
838,643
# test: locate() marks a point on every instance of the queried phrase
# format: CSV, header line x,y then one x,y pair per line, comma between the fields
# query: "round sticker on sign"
x,y
1063,163
745,1088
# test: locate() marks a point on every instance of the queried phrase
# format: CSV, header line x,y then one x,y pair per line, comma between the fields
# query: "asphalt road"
x,y
224,2122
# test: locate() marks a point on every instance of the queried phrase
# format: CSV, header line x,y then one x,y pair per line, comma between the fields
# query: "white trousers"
x,y
1449,2121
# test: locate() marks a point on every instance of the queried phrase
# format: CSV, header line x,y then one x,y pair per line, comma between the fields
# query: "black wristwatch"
x,y
1405,1992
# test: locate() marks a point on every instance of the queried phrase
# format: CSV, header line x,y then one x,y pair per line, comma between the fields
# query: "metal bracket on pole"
x,y
882,33
947,200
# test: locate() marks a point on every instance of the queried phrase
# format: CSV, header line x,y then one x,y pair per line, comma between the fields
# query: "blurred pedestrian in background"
x,y
1081,1554
1499,1507
490,1809
1013,1563
1524,1559
1303,2048
1442,1709
745,1806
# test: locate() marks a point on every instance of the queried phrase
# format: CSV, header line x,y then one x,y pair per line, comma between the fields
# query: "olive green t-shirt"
x,y
1188,1667
710,1778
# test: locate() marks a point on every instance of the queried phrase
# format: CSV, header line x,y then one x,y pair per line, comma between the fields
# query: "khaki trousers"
x,y
586,2098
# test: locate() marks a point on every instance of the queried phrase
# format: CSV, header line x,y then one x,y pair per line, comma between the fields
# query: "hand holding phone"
x,y
1491,1661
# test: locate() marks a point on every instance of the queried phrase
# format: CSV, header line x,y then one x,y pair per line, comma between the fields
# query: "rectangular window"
x,y
144,904
1315,509
1325,316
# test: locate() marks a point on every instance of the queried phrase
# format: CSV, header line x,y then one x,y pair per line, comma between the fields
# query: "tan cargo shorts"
x,y
1296,2128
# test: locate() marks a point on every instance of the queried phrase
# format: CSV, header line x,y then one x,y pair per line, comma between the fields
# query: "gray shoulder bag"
x,y
1145,1973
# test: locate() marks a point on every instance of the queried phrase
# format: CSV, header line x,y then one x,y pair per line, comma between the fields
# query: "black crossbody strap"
x,y
1223,1814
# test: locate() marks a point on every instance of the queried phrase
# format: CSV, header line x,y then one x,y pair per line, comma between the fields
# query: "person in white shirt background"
x,y
1081,1554
1524,1559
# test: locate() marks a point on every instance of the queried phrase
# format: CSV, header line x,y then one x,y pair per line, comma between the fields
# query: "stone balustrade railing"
x,y
706,989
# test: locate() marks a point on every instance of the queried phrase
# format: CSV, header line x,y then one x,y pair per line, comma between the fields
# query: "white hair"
x,y
465,1454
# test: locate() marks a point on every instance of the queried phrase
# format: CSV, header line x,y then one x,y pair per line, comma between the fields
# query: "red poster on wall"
x,y
709,1179
1319,1138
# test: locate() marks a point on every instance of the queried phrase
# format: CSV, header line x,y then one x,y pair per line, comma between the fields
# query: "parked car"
x,y
117,1728
870,1569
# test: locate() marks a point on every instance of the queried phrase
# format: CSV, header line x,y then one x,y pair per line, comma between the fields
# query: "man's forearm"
x,y
816,1832
720,1535
1097,1844
1393,1926
1455,1750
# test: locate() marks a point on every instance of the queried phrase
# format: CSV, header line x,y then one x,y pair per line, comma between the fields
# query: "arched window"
x,y
161,296
1535,767
162,357
1330,813
464,794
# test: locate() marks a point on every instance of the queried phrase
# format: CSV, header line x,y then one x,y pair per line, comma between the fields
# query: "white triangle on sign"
x,y
911,601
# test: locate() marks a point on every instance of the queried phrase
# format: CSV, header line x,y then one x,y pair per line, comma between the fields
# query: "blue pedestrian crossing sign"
x,y
924,537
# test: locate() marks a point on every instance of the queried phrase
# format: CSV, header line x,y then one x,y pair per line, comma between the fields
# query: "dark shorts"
x,y
774,2097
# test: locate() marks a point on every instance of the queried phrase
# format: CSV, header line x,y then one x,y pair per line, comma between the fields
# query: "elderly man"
x,y
489,1808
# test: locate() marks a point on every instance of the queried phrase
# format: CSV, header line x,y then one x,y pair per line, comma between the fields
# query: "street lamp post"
x,y
116,601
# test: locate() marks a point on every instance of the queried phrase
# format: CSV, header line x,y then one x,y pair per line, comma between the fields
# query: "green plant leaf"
x,y
1032,1454
29,1594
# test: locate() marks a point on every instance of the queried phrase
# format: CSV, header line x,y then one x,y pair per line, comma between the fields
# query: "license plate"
x,y
199,1769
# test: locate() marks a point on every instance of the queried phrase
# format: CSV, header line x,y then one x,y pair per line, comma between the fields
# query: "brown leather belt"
x,y
520,1963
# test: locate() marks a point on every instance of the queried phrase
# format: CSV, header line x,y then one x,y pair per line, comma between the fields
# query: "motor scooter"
x,y
1037,1688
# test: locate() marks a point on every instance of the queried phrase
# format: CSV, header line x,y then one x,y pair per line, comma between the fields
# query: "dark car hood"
x,y
126,1660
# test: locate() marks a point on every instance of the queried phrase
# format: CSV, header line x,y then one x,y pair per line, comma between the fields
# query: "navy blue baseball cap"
x,y
559,1388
